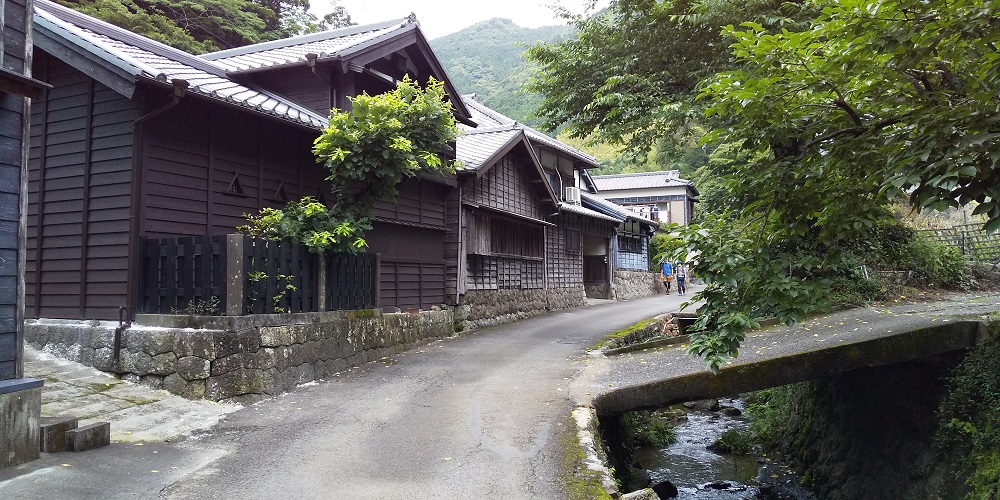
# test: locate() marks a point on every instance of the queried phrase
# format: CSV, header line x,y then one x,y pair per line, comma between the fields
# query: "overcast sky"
x,y
441,17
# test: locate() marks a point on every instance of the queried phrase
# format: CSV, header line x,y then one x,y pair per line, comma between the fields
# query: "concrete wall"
x,y
482,308
627,285
241,358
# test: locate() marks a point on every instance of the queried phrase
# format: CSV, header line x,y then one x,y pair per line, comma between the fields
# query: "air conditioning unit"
x,y
573,195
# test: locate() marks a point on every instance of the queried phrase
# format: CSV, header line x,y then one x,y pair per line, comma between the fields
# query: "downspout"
x,y
128,311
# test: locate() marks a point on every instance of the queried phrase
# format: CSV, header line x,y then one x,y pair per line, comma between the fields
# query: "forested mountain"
x,y
485,59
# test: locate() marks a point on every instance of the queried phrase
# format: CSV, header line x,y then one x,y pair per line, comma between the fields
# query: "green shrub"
x,y
648,428
769,411
937,264
970,419
734,441
857,289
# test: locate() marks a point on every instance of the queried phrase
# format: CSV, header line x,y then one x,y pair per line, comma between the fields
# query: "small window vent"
x,y
234,185
280,194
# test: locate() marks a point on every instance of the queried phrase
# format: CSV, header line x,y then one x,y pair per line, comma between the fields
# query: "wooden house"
x,y
140,140
20,397
659,196
584,241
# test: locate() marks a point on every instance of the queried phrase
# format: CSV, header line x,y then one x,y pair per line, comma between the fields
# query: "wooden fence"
x,y
236,275
974,243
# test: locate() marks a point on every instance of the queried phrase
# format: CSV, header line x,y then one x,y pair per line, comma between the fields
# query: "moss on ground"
x,y
579,482
618,337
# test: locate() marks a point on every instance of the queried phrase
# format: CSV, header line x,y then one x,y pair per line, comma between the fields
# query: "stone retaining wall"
x,y
237,357
627,285
483,308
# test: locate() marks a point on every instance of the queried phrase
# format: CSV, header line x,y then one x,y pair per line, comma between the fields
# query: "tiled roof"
x,y
604,206
580,210
641,180
486,117
333,43
147,59
478,146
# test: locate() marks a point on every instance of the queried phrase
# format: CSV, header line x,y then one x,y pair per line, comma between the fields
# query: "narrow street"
x,y
468,417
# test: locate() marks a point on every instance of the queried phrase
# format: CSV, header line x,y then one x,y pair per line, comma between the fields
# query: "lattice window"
x,y
573,240
629,244
508,237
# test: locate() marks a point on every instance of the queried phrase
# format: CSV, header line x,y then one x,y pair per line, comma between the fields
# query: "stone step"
x,y
53,433
89,437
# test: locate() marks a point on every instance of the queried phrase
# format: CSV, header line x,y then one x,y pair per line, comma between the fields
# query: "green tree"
x,y
630,74
209,25
873,100
383,140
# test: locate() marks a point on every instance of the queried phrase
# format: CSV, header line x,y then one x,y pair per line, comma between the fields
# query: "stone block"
x,y
155,342
227,364
239,382
154,381
175,384
53,433
195,390
21,409
200,343
163,364
138,363
101,338
89,437
276,336
232,342
104,359
193,368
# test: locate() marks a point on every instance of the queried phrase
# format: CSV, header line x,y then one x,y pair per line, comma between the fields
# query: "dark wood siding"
x,y
409,237
564,252
300,85
205,167
80,162
510,186
12,144
505,252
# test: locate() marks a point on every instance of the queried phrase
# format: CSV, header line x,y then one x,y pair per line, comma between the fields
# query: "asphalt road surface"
x,y
467,417
474,416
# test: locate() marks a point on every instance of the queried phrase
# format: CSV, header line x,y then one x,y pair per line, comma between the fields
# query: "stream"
x,y
699,473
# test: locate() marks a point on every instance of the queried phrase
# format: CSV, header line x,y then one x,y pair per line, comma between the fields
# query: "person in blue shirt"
x,y
667,274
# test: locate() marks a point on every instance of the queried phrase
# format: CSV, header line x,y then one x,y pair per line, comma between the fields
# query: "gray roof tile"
x,y
155,61
486,117
291,51
580,210
477,146
640,180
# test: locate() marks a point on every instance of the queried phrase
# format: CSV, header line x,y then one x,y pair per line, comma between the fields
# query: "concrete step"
x,y
88,437
53,433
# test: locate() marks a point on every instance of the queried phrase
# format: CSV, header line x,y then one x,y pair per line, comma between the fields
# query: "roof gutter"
x,y
179,90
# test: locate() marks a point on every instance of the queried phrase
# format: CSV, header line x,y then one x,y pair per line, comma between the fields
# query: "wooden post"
x,y
236,281
378,282
321,283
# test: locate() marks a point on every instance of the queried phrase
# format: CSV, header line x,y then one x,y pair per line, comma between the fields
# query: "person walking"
x,y
667,273
681,276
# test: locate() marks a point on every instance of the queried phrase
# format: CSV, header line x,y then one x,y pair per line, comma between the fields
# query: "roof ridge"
x,y
307,38
636,174
100,27
489,130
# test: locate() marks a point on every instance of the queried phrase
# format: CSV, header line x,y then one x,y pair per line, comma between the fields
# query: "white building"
x,y
661,196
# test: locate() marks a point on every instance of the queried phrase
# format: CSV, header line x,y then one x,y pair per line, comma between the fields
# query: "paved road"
x,y
655,377
470,417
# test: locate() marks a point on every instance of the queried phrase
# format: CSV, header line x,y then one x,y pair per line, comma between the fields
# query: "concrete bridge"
x,y
780,355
